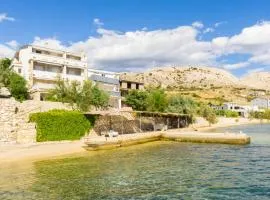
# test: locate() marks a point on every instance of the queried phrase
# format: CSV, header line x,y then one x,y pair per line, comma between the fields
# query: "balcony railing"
x,y
58,60
74,77
104,79
46,75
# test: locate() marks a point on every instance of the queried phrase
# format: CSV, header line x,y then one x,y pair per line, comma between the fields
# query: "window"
x,y
129,85
19,71
137,86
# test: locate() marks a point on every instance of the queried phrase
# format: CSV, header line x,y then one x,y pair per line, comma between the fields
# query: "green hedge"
x,y
56,125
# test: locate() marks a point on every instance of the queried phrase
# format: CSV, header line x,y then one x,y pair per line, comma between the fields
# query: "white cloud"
x,y
219,23
98,22
236,65
49,43
253,40
208,30
13,44
4,17
197,24
140,49
6,52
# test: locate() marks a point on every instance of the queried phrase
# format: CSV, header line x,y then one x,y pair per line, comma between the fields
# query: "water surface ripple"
x,y
159,170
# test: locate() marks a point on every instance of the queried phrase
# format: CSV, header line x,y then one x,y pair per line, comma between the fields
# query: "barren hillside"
x,y
179,77
260,80
204,83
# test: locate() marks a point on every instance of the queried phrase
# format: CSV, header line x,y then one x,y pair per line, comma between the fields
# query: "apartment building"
x,y
41,67
109,82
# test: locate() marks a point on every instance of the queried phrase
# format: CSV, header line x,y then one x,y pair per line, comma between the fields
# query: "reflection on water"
x,y
159,170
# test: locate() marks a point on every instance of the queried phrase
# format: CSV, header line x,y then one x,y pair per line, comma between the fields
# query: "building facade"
x,y
109,82
41,67
242,110
126,85
261,102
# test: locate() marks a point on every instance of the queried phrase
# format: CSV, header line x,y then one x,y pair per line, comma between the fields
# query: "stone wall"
x,y
14,119
8,109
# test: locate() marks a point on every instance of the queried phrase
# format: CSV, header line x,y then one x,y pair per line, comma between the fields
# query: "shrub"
x,y
227,113
209,114
157,100
137,99
57,125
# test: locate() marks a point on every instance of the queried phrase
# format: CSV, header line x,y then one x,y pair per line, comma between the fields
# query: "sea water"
x,y
158,170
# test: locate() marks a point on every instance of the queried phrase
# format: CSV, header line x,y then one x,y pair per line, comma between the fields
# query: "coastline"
x,y
51,150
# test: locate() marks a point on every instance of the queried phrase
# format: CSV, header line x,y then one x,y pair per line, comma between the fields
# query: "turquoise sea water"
x,y
158,170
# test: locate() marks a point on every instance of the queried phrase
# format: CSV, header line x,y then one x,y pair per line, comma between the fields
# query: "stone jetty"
x,y
101,142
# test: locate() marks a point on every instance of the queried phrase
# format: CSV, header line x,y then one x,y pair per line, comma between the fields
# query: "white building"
x,y
108,81
42,66
261,102
242,110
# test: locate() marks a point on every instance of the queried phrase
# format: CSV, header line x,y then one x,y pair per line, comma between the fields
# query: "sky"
x,y
139,35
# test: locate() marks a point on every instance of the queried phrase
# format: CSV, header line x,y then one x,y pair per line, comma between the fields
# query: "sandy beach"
x,y
49,150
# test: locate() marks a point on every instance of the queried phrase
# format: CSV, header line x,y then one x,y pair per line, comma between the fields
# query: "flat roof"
x,y
50,49
103,71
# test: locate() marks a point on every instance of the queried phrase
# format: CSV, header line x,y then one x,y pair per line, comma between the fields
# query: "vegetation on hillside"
x,y
13,81
56,125
260,115
80,96
156,100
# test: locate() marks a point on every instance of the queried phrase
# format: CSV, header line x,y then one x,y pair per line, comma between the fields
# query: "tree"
x,y
100,98
17,87
137,99
5,71
157,100
79,96
209,114
182,105
13,81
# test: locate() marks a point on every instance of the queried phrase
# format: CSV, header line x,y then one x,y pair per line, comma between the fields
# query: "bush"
x,y
57,125
157,100
227,113
209,114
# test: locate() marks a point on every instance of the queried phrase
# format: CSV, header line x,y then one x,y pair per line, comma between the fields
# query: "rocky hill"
x,y
204,83
179,77
260,80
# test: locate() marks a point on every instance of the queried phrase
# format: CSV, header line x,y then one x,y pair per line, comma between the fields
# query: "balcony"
x,y
104,79
58,60
45,75
71,77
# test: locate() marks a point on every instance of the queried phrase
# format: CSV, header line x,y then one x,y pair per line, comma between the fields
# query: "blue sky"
x,y
109,32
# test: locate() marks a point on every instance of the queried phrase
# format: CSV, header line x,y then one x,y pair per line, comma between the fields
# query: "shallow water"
x,y
158,170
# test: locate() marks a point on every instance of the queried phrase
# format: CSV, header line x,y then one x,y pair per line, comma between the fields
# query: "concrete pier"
x,y
100,142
